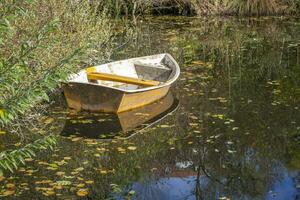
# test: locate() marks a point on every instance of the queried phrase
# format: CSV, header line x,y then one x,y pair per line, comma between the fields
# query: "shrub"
x,y
40,43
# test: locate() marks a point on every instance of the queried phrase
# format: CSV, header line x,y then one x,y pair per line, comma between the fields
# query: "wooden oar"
x,y
122,79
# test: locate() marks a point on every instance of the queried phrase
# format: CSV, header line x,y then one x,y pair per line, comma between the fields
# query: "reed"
x,y
132,9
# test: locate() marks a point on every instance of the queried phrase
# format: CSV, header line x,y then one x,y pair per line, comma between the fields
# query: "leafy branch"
x,y
12,159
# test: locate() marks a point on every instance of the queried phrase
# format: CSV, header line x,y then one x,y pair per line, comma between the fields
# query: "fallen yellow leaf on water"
x,y
121,150
80,185
97,155
74,173
10,185
198,62
79,169
8,192
82,192
164,126
101,149
102,171
50,192
2,132
58,187
49,120
18,144
43,182
75,139
132,148
89,182
67,158
60,173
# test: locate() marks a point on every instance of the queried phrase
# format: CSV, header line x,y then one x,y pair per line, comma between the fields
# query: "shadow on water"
x,y
122,125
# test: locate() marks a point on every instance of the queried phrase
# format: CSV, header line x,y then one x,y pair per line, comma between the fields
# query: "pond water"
x,y
229,129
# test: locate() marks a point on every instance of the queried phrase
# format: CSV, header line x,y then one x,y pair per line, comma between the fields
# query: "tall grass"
x,y
259,7
134,8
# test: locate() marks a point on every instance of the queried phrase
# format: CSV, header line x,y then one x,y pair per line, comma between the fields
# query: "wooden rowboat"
x,y
122,85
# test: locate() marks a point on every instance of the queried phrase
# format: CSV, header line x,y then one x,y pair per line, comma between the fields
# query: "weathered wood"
x,y
122,79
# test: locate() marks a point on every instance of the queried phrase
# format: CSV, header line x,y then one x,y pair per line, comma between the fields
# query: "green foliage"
x,y
41,42
12,159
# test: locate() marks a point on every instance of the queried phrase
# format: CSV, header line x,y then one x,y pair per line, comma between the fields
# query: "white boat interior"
x,y
159,67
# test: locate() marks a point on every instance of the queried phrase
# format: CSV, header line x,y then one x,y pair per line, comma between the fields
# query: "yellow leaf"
x,y
81,185
2,113
2,178
50,192
164,126
8,192
58,187
74,173
89,182
60,173
97,155
43,182
121,150
79,169
75,139
103,171
49,120
10,185
2,132
132,148
67,158
18,144
82,192
101,149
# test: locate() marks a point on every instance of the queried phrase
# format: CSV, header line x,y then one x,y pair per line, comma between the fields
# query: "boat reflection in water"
x,y
124,124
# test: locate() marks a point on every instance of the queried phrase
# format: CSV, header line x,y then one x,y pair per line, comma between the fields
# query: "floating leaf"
x,y
121,150
60,173
10,185
103,171
89,182
8,192
48,120
81,185
79,169
75,139
82,192
63,182
50,192
132,148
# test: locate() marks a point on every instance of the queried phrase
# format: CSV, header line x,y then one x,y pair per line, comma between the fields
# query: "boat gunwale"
x,y
167,83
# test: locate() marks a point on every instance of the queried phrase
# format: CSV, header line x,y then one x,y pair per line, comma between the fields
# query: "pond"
x,y
229,129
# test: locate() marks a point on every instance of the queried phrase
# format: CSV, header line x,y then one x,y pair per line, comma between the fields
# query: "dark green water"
x,y
234,135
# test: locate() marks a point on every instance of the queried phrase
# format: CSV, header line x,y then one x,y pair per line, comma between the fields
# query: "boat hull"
x,y
96,98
